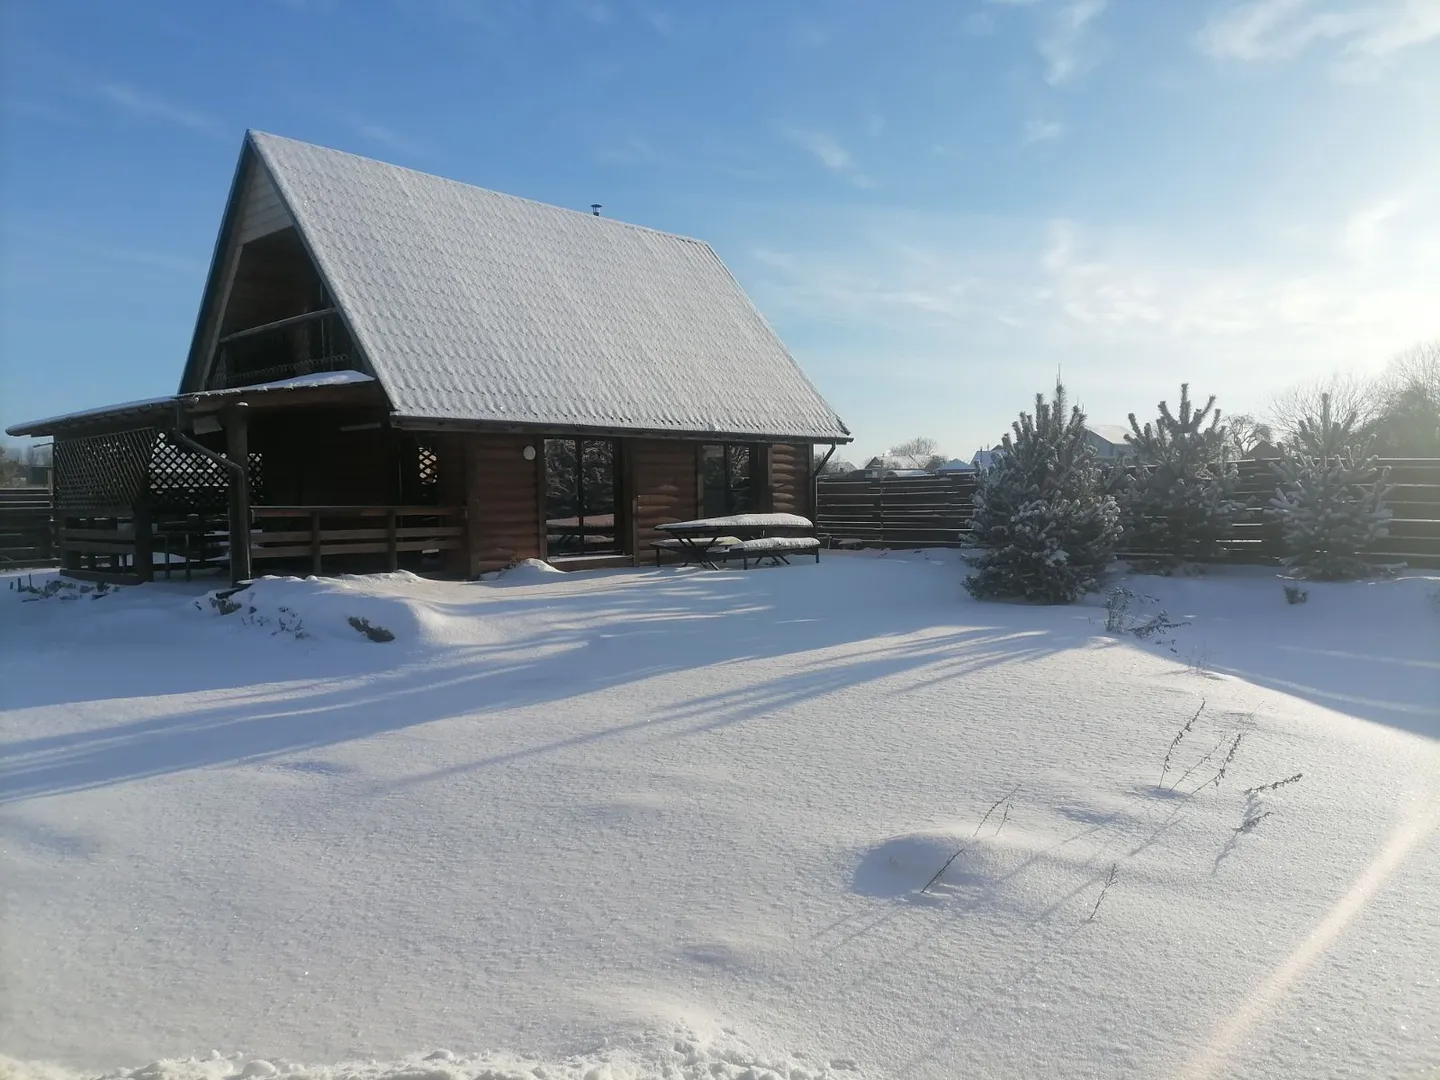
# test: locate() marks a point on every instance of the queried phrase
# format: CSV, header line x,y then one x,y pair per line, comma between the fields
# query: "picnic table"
x,y
705,540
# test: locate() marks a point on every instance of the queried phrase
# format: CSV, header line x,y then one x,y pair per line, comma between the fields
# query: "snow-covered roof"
x,y
471,305
956,465
1111,433
147,410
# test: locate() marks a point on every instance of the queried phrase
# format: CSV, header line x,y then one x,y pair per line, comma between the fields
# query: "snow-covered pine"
x,y
1180,500
1331,501
1042,513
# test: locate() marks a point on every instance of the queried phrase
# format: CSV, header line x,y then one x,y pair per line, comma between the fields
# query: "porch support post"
x,y
145,540
237,449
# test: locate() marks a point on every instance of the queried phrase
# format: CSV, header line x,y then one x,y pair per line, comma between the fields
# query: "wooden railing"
x,y
100,543
314,532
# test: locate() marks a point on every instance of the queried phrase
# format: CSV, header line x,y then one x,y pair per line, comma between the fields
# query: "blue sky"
x,y
937,204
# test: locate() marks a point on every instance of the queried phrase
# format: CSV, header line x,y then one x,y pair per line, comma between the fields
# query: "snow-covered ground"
x,y
679,823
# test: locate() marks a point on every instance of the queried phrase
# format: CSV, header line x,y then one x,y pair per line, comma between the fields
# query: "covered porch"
x,y
302,476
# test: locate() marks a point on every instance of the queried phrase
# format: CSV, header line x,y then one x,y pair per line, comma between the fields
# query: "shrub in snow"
x,y
1331,502
65,590
374,633
1042,513
1181,500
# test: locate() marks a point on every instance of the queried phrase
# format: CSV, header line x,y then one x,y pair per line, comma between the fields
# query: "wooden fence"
x,y
933,511
26,531
901,511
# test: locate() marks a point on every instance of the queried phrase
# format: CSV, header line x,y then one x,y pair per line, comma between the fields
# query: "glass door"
x,y
581,481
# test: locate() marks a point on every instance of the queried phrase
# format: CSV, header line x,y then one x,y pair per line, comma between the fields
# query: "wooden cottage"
x,y
394,369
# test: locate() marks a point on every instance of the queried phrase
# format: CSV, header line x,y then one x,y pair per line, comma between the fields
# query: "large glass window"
x,y
726,481
580,497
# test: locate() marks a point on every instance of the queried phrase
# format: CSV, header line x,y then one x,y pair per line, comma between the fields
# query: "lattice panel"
x,y
255,465
102,471
186,483
428,463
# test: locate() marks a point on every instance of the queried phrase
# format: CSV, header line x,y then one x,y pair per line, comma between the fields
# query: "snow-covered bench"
x,y
775,548
691,549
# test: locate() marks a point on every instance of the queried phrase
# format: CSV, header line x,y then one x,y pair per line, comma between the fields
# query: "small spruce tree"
x,y
1331,502
1042,515
1180,501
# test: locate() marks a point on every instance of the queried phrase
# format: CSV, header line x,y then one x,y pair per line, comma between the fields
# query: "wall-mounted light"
x,y
528,453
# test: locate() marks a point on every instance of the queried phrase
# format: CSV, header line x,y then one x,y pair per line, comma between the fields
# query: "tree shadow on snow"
x,y
623,629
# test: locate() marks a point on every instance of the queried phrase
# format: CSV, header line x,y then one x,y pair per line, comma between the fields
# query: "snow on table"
x,y
734,522
641,824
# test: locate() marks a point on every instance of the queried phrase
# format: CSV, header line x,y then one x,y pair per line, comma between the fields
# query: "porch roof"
x,y
330,388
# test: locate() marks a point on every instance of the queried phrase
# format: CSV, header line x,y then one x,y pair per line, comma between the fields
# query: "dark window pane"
x,y
713,481
562,496
741,489
597,478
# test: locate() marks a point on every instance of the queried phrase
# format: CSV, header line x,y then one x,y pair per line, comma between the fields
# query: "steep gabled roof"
x,y
473,306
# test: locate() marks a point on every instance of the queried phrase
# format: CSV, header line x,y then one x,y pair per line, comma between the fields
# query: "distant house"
x,y
986,459
872,471
390,368
1109,441
955,465
885,466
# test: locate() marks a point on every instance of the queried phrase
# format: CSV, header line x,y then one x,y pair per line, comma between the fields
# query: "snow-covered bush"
x,y
1180,500
1042,514
1331,502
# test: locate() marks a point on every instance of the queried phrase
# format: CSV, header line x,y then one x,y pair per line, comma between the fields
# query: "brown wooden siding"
x,y
666,479
790,479
261,210
502,501
255,216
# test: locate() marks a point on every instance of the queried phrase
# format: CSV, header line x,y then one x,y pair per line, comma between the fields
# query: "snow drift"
x,y
581,817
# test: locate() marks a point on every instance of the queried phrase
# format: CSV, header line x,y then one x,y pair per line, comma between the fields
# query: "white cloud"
x,y
595,11
1130,311
139,105
1043,130
1364,235
1363,33
381,135
1067,45
828,151
825,148
874,121
977,24
661,21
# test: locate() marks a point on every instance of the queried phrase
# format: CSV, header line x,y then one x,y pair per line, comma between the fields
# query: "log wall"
x,y
666,477
502,499
790,480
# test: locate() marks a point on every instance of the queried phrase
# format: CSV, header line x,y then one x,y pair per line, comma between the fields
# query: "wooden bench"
x,y
775,548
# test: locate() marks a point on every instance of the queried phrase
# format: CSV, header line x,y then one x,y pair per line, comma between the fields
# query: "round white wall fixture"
x,y
529,453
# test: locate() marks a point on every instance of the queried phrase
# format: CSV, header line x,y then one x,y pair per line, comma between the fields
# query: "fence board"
x,y
27,535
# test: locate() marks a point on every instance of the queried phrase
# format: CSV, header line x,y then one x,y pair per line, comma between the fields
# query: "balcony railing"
x,y
306,344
